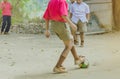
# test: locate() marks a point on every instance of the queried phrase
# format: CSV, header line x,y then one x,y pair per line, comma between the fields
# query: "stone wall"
x,y
28,28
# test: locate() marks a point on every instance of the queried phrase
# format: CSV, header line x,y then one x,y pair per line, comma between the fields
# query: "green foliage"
x,y
35,20
17,11
25,10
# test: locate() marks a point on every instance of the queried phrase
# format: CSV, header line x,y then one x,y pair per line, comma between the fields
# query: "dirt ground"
x,y
29,56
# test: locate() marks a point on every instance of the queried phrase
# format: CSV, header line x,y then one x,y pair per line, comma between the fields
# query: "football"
x,y
85,64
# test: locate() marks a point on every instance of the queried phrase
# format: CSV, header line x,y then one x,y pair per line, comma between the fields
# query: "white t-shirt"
x,y
79,12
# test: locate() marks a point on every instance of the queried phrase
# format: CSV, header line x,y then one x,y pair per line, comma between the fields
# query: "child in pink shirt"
x,y
6,8
57,13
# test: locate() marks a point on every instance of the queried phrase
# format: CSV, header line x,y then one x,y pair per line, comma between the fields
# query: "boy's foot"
x,y
59,70
81,60
62,67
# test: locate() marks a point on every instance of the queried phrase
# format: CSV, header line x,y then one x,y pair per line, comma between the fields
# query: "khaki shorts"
x,y
62,30
82,27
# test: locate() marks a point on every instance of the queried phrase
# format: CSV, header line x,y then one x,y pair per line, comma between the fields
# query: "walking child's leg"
x,y
76,41
78,60
82,38
68,46
58,68
3,23
74,52
8,24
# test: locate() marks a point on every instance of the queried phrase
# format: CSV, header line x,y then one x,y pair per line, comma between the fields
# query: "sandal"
x,y
59,70
62,67
81,60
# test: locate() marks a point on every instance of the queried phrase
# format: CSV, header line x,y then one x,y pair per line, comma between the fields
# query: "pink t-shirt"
x,y
6,8
56,9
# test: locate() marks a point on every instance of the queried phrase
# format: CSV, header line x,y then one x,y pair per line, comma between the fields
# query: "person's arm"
x,y
2,6
47,33
72,25
88,16
87,13
70,15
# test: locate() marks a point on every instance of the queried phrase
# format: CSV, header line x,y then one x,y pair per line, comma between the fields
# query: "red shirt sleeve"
x,y
46,14
63,8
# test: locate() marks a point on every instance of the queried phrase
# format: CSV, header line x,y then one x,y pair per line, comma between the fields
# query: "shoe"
x,y
59,70
62,67
81,60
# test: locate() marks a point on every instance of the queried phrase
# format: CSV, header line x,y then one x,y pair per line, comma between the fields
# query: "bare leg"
x,y
73,50
76,41
75,36
77,58
74,53
68,45
82,38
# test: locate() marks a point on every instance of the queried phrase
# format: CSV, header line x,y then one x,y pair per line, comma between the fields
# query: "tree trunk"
x,y
116,14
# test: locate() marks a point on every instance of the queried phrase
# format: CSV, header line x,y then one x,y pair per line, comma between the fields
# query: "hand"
x,y
47,33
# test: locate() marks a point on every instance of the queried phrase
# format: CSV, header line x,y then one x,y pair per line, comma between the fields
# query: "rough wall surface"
x,y
101,14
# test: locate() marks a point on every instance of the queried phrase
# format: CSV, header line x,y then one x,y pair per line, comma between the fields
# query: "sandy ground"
x,y
28,56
